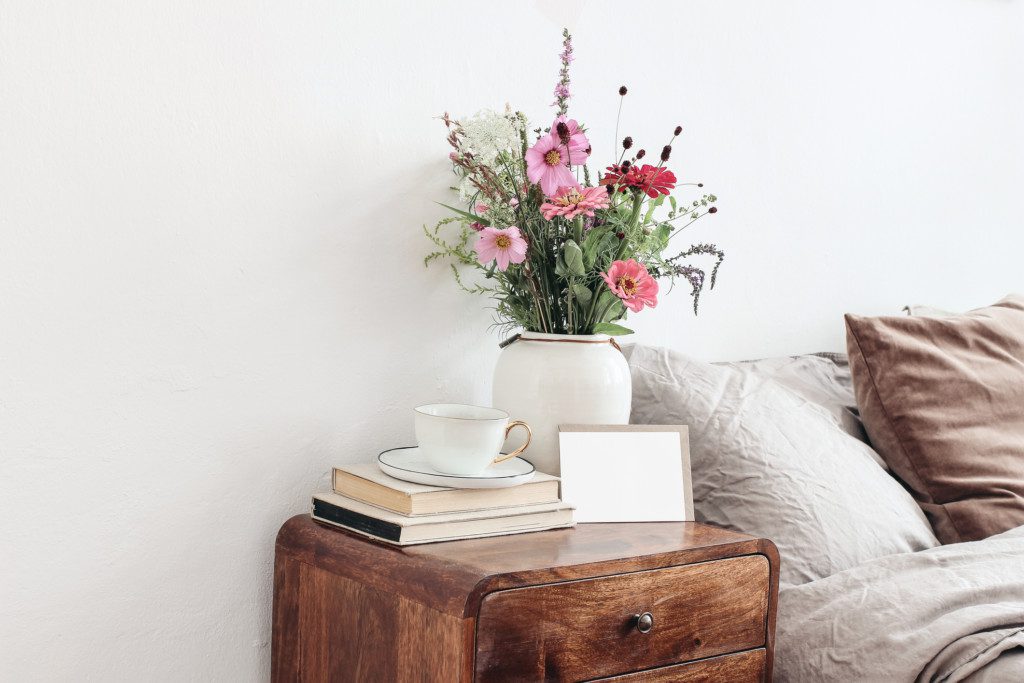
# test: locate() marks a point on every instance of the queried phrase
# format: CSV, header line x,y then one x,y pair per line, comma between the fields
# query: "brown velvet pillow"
x,y
943,402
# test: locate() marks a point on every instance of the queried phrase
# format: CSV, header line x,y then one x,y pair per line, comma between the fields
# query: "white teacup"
x,y
464,440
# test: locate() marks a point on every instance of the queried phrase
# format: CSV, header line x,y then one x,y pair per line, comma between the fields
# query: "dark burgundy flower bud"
x,y
610,189
713,209
587,150
627,142
563,132
621,235
700,184
623,91
625,166
641,154
666,151
679,129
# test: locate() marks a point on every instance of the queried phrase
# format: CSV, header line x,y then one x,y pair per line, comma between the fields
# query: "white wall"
x,y
210,278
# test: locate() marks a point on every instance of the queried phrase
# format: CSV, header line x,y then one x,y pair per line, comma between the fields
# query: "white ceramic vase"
x,y
552,379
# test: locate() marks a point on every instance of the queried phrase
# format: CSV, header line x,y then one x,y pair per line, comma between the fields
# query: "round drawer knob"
x,y
644,622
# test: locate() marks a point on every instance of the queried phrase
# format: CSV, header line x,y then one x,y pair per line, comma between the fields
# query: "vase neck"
x,y
544,336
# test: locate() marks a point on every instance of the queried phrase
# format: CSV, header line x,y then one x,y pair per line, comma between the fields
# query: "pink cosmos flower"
x,y
506,245
481,207
631,282
571,202
579,145
513,202
547,163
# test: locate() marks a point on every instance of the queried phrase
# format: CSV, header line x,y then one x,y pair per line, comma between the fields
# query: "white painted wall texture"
x,y
210,277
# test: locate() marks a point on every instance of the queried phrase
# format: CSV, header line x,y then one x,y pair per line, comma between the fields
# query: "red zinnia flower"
x,y
649,179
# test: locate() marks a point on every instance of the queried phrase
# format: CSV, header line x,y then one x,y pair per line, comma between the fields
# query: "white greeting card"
x,y
626,473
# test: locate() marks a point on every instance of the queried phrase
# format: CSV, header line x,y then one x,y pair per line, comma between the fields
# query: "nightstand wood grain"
x,y
552,605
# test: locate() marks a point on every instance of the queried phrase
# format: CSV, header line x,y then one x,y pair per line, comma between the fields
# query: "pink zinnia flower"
x,y
506,245
547,163
631,282
571,202
579,145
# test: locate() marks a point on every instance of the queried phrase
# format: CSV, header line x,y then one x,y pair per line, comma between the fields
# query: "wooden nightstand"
x,y
629,602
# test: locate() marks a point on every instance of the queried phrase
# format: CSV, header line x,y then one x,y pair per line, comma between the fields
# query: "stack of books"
x,y
369,502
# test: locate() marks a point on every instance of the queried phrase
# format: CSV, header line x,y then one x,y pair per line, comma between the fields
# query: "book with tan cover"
x,y
365,482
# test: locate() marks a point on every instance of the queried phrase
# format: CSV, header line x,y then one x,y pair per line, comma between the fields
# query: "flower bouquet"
x,y
559,249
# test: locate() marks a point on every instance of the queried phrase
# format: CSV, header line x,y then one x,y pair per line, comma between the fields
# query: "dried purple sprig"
x,y
695,275
562,93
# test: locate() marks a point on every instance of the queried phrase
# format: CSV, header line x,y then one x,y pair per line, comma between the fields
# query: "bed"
x,y
868,592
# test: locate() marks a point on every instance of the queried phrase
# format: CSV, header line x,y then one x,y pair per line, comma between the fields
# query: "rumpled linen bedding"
x,y
856,602
951,613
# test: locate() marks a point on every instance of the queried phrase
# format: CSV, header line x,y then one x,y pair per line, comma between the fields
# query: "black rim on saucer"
x,y
452,476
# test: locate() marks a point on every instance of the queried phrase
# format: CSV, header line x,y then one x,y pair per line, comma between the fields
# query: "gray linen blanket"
x,y
951,613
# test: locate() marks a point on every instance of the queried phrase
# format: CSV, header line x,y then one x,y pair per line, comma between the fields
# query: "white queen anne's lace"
x,y
487,133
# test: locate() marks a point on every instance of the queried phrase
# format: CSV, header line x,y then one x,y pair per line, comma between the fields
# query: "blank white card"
x,y
628,476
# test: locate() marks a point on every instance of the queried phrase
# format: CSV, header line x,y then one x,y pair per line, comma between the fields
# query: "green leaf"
x,y
573,257
616,312
560,270
582,293
591,246
466,214
606,298
612,329
652,204
661,235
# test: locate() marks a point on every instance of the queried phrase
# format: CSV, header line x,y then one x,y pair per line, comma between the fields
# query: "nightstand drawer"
x,y
589,628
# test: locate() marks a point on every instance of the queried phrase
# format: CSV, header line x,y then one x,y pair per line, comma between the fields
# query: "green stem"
x,y
683,227
604,312
537,299
638,204
569,309
634,217
589,319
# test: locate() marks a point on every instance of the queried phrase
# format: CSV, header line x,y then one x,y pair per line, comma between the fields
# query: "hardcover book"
x,y
365,482
399,529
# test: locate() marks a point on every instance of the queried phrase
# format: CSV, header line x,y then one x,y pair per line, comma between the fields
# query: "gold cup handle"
x,y
529,436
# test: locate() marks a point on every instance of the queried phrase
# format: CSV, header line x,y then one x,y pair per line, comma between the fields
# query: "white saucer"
x,y
408,465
